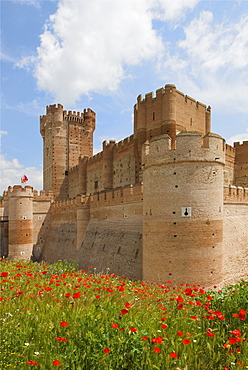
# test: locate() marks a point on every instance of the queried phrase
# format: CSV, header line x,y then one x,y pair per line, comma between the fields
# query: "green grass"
x,y
55,316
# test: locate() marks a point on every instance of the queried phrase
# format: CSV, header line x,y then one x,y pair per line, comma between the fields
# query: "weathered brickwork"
x,y
170,202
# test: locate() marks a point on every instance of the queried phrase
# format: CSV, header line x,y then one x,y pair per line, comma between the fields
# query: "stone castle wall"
x,y
168,202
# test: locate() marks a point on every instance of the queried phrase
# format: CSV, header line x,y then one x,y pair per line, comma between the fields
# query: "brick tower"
x,y
20,204
183,209
66,137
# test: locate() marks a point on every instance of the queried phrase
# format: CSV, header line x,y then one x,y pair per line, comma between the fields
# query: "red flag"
x,y
24,179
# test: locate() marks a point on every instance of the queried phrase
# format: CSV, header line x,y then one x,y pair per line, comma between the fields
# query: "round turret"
x,y
182,213
20,202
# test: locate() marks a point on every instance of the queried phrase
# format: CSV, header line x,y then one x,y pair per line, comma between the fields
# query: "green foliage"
x,y
57,316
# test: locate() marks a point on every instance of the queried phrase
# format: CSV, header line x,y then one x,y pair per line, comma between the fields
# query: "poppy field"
x,y
59,317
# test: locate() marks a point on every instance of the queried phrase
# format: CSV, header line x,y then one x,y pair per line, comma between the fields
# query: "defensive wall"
x,y
235,234
168,202
102,229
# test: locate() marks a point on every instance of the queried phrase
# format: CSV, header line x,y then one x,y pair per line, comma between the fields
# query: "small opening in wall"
x,y
211,272
174,212
174,223
170,273
176,186
175,236
174,173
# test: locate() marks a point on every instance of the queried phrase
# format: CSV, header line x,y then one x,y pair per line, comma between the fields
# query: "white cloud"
x,y
173,10
3,133
212,61
13,170
35,3
238,138
87,45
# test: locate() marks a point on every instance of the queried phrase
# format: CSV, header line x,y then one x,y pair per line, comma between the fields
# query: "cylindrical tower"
x,y
183,209
20,222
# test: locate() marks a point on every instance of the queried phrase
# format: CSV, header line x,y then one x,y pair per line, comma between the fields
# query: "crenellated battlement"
x,y
43,196
149,97
123,144
19,191
97,158
65,204
238,144
230,151
27,191
79,116
190,146
235,195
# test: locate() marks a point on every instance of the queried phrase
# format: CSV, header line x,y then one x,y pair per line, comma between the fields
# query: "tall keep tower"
x,y
169,112
183,209
66,136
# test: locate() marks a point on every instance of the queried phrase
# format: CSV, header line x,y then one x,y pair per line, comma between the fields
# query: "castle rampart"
x,y
168,202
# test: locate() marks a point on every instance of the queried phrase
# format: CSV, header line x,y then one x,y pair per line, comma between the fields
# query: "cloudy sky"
x,y
102,54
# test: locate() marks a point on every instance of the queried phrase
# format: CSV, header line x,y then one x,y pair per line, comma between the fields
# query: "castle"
x,y
170,202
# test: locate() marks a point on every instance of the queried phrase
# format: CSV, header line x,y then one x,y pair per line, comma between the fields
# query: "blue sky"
x,y
102,54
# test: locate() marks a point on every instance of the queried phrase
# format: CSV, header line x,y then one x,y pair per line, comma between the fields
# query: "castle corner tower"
x,y
183,209
20,204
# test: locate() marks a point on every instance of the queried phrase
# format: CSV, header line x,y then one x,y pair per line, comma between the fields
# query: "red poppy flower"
x,y
227,345
106,350
180,306
179,299
144,338
180,333
173,355
34,363
4,274
115,326
56,362
61,339
163,326
67,295
127,305
242,312
209,333
133,330
235,340
236,333
124,311
76,295
186,341
63,324
156,350
98,296
157,340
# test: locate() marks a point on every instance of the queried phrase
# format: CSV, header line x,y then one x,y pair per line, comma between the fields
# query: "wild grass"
x,y
56,316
